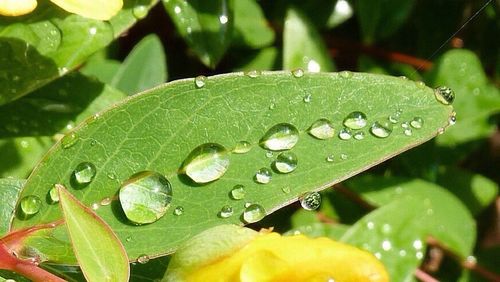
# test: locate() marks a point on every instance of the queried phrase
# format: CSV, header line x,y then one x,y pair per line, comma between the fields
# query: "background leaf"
x,y
250,25
9,193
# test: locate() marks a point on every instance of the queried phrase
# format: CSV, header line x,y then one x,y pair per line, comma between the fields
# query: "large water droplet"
x,y
30,205
242,147
199,81
322,129
226,211
310,200
84,173
253,213
355,120
207,162
444,95
381,130
145,197
417,122
238,192
263,176
345,134
282,136
298,72
69,140
286,162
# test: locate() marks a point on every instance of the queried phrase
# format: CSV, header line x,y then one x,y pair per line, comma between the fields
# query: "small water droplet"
x,y
111,175
226,211
417,122
330,158
282,136
370,225
242,147
444,95
310,201
343,156
417,244
143,259
247,204
402,253
453,120
307,98
272,106
145,197
269,154
386,245
179,210
128,239
286,162
94,206
238,192
345,74
420,84
286,190
298,72
199,81
381,130
263,176
419,255
30,205
360,135
394,118
253,73
93,142
345,134
403,77
84,173
106,201
53,194
408,132
140,11
322,129
206,163
405,124
253,213
386,228
355,120
69,140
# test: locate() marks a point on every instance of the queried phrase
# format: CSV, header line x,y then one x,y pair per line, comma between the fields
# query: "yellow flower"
x,y
94,9
232,253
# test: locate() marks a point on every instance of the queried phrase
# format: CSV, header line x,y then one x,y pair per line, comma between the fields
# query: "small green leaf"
x,y
302,45
207,26
10,189
250,25
99,252
144,68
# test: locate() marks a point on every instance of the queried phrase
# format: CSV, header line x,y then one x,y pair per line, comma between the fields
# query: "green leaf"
x,y
144,68
39,47
9,193
206,26
302,45
102,69
158,129
411,211
477,100
380,19
20,154
250,25
100,253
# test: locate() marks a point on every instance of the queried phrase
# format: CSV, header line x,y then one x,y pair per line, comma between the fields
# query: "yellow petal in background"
x,y
16,7
93,9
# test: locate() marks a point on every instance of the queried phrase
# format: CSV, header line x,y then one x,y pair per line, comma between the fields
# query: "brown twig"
x,y
424,276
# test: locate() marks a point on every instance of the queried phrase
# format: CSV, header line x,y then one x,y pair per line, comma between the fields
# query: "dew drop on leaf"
x,y
282,136
143,259
330,158
84,173
199,81
206,163
307,98
69,140
238,192
310,201
140,11
417,122
381,129
179,210
345,74
263,176
322,129
253,213
408,132
53,194
145,197
298,72
360,135
286,190
355,120
345,134
106,201
226,211
242,147
444,95
286,162
30,205
253,73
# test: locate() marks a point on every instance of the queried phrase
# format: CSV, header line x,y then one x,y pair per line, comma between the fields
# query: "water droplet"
x,y
360,135
128,239
322,129
145,197
94,206
272,106
238,192
84,173
206,163
330,158
247,204
444,95
403,77
386,228
30,205
140,11
310,201
106,201
381,130
420,84
453,120
355,120
386,245
419,255
440,131
263,176
407,132
242,147
417,244
253,213
93,142
298,72
345,74
179,210
69,140
53,194
253,73
199,81
343,156
345,134
226,211
307,98
394,118
417,122
282,136
111,175
286,162
402,253
286,190
405,124
370,225
143,259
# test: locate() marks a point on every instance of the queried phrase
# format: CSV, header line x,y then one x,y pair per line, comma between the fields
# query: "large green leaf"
x,y
100,254
9,193
157,130
46,44
411,211
302,45
207,26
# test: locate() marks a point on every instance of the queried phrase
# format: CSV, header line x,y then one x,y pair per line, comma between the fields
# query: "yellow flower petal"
x,y
16,7
94,9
